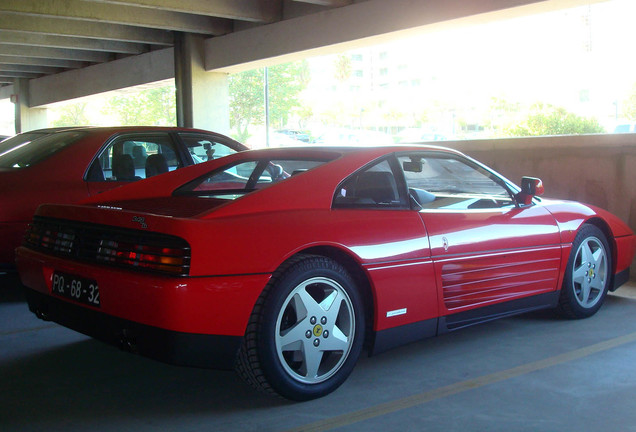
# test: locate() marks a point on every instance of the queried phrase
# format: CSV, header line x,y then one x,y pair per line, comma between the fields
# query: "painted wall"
x,y
595,169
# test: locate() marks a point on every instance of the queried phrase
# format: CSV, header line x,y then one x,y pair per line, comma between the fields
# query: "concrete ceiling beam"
x,y
84,29
59,53
244,10
30,69
125,15
12,74
39,61
52,41
330,3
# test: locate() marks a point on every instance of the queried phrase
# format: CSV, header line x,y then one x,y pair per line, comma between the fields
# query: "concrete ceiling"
x,y
67,49
46,37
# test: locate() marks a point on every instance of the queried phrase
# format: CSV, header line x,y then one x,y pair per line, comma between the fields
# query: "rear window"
x,y
240,178
29,153
19,139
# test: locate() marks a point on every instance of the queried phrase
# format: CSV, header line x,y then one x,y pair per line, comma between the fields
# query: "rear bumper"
x,y
186,349
194,321
11,234
7,268
620,278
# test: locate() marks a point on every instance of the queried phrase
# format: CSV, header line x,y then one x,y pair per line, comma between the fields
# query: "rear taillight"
x,y
121,247
169,260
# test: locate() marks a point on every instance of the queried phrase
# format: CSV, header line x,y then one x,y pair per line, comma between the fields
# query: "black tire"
x,y
306,331
587,275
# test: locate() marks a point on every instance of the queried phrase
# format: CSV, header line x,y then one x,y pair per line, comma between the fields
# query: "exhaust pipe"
x,y
127,343
44,316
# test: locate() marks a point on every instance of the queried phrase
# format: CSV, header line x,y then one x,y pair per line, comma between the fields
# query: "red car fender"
x,y
570,216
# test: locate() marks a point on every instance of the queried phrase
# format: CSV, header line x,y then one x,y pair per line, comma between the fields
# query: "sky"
x,y
580,58
554,58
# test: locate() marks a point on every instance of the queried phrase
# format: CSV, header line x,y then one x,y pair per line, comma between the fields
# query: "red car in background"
x,y
283,263
65,165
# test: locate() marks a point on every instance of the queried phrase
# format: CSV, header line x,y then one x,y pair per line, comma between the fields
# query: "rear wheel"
x,y
306,332
587,275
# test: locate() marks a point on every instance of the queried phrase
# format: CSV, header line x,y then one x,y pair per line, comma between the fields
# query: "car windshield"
x,y
452,183
28,153
239,178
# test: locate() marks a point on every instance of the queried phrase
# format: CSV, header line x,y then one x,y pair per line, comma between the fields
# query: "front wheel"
x,y
587,275
306,332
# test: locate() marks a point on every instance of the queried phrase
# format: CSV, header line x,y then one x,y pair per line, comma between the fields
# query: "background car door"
x,y
484,248
132,157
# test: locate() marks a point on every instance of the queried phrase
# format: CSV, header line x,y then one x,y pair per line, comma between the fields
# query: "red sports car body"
x,y
283,263
66,165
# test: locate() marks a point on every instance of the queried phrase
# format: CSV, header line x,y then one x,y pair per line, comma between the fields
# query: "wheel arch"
x,y
361,278
609,236
577,299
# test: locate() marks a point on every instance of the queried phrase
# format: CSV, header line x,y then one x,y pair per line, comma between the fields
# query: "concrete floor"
x,y
529,373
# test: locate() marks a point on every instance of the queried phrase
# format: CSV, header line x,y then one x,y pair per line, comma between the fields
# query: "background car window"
x,y
18,154
17,140
372,187
203,148
447,182
135,157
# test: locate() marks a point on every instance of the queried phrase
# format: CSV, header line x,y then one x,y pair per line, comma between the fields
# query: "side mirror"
x,y
530,187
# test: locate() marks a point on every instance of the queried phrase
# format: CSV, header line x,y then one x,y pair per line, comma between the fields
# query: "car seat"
x,y
377,185
156,164
124,168
139,156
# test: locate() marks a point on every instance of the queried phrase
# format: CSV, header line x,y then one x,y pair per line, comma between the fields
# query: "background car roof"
x,y
313,189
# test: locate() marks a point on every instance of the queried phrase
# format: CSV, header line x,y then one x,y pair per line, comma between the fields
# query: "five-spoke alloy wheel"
x,y
306,332
588,274
315,330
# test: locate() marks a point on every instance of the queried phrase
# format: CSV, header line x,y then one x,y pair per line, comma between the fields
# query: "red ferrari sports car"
x,y
65,165
284,263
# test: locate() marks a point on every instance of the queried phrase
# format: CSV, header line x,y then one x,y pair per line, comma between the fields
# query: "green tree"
x,y
247,96
550,120
304,113
151,107
501,113
286,81
629,105
162,105
343,67
246,101
72,115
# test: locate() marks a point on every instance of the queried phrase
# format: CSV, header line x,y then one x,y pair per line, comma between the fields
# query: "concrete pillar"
x,y
26,118
202,97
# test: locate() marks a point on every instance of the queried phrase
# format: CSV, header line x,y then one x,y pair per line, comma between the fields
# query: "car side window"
x,y
449,182
374,186
204,148
135,157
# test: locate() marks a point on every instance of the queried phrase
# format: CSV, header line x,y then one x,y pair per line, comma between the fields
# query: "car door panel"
x,y
95,188
486,249
484,257
396,259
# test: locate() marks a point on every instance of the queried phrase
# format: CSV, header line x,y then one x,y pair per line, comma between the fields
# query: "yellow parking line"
x,y
625,293
26,330
421,398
